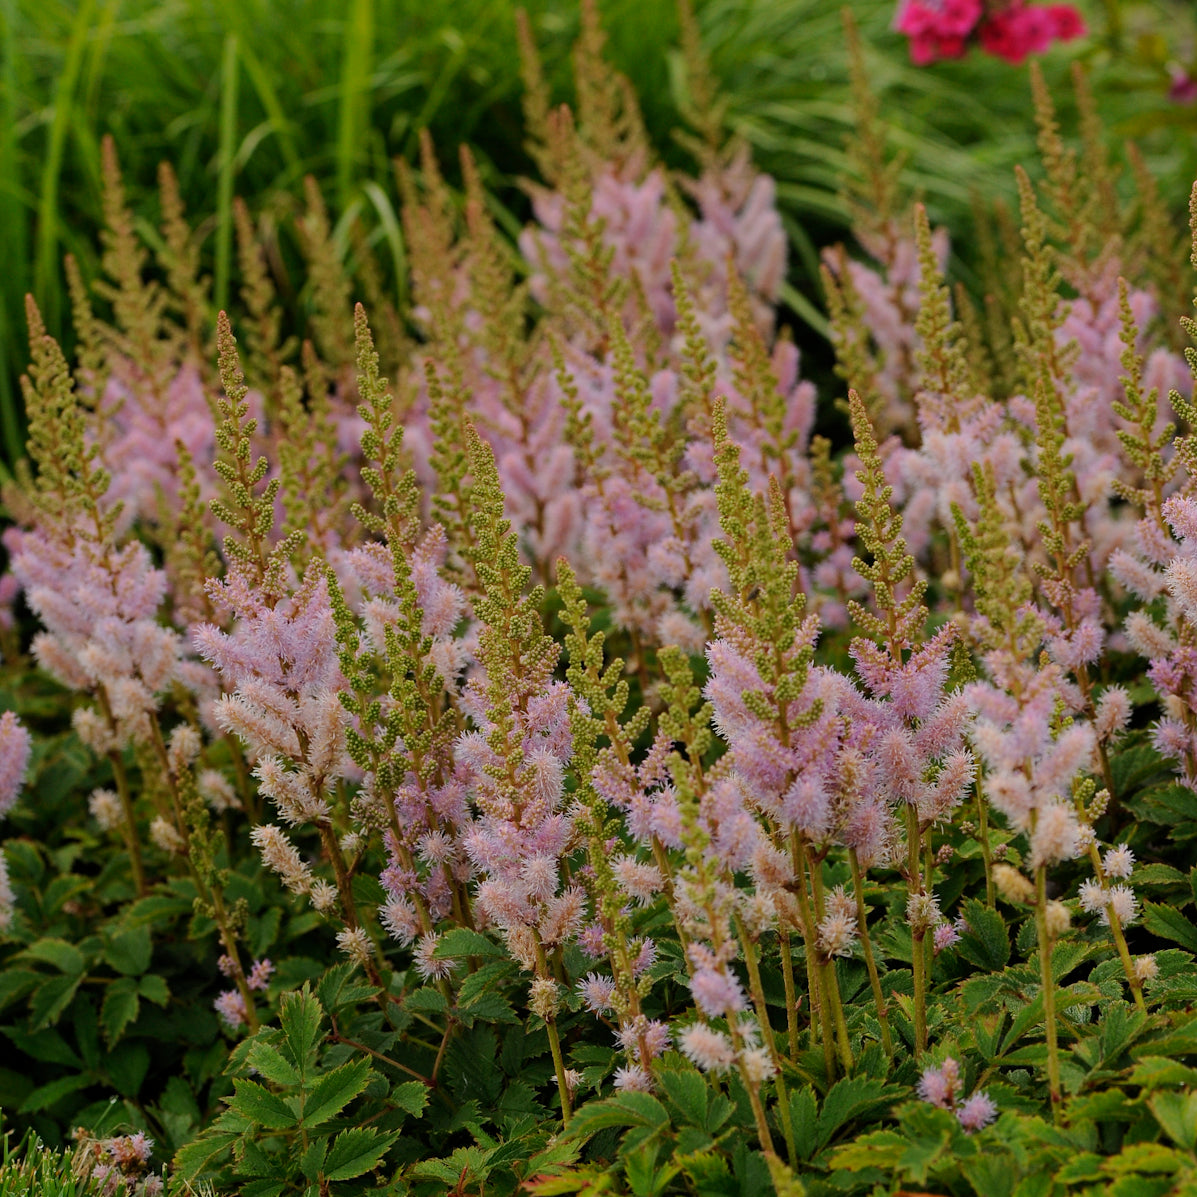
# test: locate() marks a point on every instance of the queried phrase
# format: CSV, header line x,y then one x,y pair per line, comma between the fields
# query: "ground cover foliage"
x,y
558,768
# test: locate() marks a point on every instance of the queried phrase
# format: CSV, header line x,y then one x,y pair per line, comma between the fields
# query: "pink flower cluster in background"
x,y
948,28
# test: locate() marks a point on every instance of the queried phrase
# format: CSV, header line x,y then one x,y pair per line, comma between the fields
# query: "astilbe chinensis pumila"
x,y
922,765
626,430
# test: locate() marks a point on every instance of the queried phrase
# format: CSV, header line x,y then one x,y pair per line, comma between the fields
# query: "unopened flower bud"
x,y
922,912
105,808
1058,920
1012,885
543,999
165,836
1146,969
355,944
185,745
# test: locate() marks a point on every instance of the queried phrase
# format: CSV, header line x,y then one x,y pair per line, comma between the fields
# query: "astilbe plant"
x,y
605,726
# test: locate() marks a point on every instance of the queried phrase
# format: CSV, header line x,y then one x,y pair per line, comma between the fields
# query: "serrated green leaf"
x,y
269,1061
1158,1072
804,1121
986,943
44,1096
489,1007
850,1098
1181,1040
624,1109
984,993
156,910
1086,1166
1157,876
154,989
1169,923
468,1160
129,953
427,1000
127,1065
1145,1157
881,1149
342,985
16,982
686,1090
62,955
300,1016
311,1163
355,1152
335,1090
411,1096
487,979
120,1008
48,1046
194,1158
708,1171
461,941
1177,1114
262,1188
252,1160
257,1104
87,1033
553,1156
51,999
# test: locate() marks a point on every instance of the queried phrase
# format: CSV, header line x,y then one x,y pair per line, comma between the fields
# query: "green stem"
x,y
128,827
819,1007
762,1013
918,958
1128,965
866,944
787,972
753,1089
829,978
986,850
1049,992
542,970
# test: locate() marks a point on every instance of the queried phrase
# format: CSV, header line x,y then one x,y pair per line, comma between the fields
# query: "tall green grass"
x,y
245,97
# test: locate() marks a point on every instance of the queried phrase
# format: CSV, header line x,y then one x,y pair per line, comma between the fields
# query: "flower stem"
x,y
830,980
762,1014
1049,992
818,1001
787,972
753,1089
1128,966
917,956
986,850
542,970
128,827
866,944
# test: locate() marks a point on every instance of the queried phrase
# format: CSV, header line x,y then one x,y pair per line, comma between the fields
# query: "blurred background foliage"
x,y
246,97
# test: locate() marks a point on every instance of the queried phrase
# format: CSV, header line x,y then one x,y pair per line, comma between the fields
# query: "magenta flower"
x,y
938,28
978,1112
1182,88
